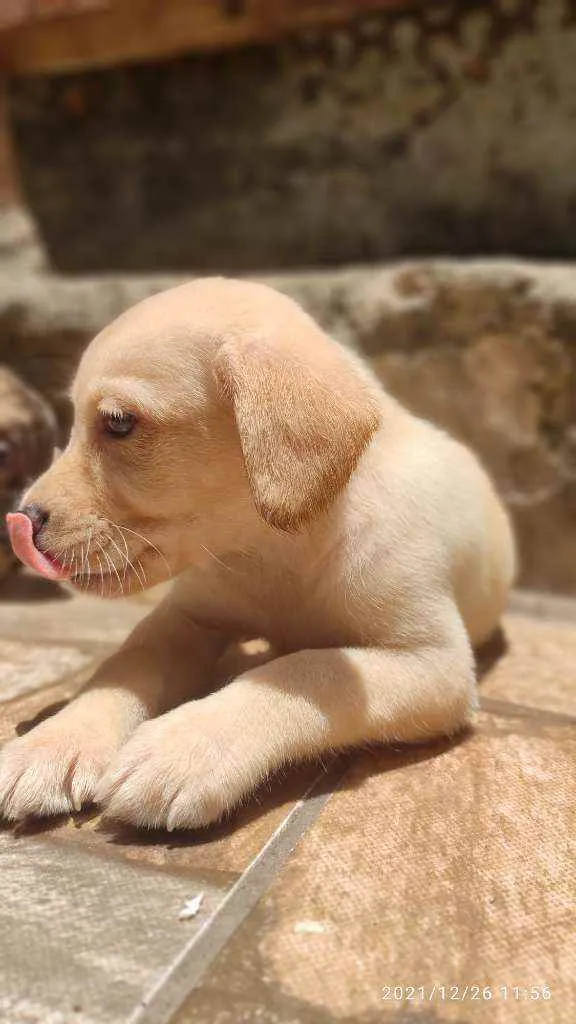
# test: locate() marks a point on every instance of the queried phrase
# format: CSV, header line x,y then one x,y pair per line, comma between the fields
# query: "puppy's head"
x,y
27,439
201,415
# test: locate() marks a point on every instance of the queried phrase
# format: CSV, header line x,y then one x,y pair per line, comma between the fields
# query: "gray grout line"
x,y
509,709
179,980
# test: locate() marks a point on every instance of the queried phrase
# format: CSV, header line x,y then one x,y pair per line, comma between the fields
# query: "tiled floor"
x,y
377,888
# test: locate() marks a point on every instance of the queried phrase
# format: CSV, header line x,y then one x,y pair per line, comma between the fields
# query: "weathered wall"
x,y
8,183
488,350
449,129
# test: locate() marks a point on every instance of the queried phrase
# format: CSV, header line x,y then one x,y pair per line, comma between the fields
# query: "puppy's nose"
x,y
37,516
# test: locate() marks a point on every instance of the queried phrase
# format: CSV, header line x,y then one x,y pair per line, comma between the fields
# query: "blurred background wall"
x,y
386,161
297,132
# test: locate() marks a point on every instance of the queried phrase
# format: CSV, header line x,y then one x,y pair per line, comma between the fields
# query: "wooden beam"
x,y
136,30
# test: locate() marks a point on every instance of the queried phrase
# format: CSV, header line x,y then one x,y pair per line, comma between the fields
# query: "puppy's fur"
x,y
294,500
27,439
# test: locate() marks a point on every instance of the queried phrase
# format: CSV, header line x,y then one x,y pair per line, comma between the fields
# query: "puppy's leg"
x,y
55,767
186,768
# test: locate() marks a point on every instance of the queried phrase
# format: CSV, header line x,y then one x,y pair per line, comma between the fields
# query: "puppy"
x,y
27,439
220,437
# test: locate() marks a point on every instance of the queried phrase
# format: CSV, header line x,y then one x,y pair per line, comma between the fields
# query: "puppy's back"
x,y
439,517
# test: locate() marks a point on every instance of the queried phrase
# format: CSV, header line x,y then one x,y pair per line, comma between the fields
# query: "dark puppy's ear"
x,y
43,436
28,423
304,417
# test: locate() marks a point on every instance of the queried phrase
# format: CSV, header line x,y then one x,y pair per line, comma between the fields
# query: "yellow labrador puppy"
x,y
222,438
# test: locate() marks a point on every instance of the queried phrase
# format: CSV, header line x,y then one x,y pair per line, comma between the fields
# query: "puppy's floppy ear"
x,y
304,416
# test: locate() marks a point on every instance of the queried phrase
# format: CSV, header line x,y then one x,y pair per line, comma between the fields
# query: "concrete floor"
x,y
431,884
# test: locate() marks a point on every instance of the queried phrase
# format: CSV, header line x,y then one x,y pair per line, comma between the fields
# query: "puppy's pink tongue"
x,y
21,539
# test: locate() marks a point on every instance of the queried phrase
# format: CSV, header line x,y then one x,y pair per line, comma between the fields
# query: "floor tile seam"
x,y
510,709
187,970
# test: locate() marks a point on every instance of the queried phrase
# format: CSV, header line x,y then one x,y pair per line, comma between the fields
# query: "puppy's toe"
x,y
153,797
36,789
51,770
172,777
206,804
135,796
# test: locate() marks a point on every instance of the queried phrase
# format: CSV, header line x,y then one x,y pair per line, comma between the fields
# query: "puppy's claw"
x,y
31,794
54,769
174,774
82,788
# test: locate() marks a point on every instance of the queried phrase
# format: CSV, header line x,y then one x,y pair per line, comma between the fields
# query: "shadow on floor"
x,y
24,587
286,786
281,790
29,723
490,653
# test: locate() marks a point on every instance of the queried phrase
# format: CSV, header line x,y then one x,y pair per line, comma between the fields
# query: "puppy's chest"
x,y
279,608
284,606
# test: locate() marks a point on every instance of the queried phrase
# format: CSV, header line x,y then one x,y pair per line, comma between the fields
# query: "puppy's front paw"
x,y
54,769
183,770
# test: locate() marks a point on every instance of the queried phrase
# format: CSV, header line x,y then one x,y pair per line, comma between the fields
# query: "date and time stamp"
x,y
466,993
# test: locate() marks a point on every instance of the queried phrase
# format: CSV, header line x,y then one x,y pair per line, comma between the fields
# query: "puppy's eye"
x,y
118,424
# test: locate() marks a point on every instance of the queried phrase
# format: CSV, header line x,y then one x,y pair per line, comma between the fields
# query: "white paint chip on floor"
x,y
191,907
310,928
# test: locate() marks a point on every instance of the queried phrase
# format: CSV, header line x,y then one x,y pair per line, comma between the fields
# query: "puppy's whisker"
x,y
123,539
65,556
125,560
106,575
112,564
88,569
80,576
143,572
216,559
126,556
56,555
87,572
82,562
148,544
98,559
122,557
130,562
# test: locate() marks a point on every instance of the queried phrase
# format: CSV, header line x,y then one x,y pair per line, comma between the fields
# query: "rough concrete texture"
x,y
433,895
447,128
92,937
445,864
485,349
